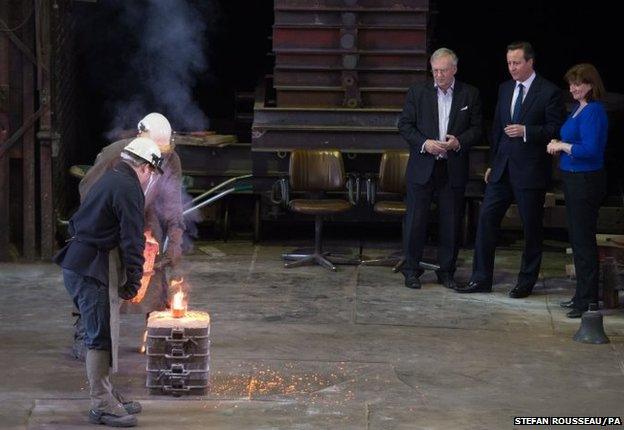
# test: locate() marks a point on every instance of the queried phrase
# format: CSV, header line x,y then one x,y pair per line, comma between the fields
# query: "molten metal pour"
x,y
143,342
178,304
150,253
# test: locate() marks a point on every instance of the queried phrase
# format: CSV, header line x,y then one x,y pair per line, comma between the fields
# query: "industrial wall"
x,y
37,127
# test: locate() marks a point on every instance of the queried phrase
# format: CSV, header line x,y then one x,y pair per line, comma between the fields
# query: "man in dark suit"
x,y
441,120
529,113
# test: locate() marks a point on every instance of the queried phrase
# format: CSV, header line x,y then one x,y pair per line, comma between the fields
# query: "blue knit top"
x,y
587,132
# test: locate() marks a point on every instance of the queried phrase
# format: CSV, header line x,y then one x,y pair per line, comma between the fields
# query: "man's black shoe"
x,y
567,303
447,280
475,287
520,291
575,313
412,281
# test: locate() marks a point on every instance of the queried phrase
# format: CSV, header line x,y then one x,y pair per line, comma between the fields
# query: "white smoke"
x,y
169,39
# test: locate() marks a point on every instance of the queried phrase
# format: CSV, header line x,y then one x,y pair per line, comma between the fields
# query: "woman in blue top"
x,y
582,147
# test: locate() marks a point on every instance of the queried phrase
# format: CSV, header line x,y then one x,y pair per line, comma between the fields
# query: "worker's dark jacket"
x,y
110,216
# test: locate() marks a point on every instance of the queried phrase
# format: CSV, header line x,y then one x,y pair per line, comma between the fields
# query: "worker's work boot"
x,y
131,406
105,409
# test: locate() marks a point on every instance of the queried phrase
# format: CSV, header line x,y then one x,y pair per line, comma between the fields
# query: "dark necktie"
x,y
517,105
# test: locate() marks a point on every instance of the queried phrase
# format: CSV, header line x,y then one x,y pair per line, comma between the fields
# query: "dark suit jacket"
x,y
419,122
542,114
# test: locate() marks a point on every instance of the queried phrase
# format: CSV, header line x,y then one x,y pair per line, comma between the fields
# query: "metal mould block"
x,y
178,353
334,97
361,60
356,5
360,19
334,78
371,38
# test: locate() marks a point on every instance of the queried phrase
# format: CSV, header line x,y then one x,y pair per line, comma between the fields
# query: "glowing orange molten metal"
x,y
143,342
178,304
150,253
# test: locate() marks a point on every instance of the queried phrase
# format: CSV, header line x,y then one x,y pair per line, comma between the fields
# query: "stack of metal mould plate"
x,y
342,69
350,53
178,353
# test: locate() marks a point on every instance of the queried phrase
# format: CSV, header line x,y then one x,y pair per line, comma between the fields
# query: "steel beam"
x,y
271,117
297,58
5,239
333,97
369,39
361,18
333,78
45,134
29,239
353,5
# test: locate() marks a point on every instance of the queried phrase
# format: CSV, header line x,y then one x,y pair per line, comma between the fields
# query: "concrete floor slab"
x,y
306,348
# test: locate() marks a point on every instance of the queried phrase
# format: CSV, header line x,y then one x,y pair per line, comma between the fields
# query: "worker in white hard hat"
x,y
102,261
163,210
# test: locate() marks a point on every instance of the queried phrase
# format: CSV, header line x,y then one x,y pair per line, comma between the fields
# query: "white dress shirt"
x,y
444,109
445,99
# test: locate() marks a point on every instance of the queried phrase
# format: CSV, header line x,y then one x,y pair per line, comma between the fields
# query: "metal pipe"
x,y
212,199
209,200
201,205
221,185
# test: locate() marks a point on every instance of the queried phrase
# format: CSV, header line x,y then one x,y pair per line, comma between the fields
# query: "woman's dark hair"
x,y
586,73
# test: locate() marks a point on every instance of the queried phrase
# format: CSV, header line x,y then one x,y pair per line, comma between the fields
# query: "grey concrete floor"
x,y
305,348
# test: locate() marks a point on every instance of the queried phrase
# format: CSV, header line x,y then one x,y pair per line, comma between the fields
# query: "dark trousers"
x,y
583,192
498,197
91,298
450,203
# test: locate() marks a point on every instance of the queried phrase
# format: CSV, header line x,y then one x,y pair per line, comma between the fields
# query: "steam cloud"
x,y
160,48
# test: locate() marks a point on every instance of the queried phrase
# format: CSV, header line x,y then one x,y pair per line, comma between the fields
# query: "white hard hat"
x,y
157,126
146,150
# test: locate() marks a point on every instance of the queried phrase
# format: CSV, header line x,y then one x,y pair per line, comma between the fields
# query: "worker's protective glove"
x,y
128,291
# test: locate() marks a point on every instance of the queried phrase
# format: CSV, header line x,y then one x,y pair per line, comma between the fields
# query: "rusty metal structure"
x,y
36,119
342,68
